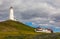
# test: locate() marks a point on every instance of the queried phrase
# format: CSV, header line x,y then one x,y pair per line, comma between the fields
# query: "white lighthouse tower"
x,y
11,17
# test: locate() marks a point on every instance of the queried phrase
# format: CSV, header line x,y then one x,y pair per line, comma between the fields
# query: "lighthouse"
x,y
11,17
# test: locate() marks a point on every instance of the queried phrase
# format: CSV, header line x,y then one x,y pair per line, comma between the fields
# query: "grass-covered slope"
x,y
14,26
16,30
38,36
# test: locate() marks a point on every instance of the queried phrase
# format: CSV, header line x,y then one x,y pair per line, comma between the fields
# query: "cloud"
x,y
37,11
51,21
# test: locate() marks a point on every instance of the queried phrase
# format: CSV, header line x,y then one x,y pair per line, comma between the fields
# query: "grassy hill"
x,y
14,26
16,30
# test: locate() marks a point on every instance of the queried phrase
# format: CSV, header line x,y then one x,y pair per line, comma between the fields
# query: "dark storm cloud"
x,y
56,17
29,14
3,16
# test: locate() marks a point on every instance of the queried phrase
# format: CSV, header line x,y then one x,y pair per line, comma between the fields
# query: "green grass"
x,y
10,25
16,30
35,36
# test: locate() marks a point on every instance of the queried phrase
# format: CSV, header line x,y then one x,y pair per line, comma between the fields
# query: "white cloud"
x,y
57,27
44,24
51,21
38,18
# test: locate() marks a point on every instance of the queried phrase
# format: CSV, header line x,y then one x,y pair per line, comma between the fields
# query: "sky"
x,y
40,12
